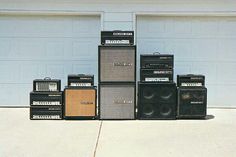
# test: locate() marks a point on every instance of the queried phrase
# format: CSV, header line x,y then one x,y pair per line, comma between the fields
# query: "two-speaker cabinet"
x,y
80,102
117,81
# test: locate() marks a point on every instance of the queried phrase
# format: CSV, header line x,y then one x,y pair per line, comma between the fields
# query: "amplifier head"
x,y
190,80
117,63
156,75
46,84
157,61
192,102
46,112
117,37
157,101
80,103
46,98
80,80
117,101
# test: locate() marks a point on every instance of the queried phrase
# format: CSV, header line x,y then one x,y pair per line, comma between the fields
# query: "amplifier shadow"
x,y
209,117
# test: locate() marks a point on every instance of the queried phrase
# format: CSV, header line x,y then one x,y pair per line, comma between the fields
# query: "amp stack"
x,y
192,96
117,75
46,100
80,97
156,89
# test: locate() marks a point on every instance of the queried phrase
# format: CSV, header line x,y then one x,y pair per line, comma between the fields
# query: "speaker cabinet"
x,y
117,64
157,101
80,103
117,101
192,102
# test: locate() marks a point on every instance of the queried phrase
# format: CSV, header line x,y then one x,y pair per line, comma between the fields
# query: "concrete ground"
x,y
21,137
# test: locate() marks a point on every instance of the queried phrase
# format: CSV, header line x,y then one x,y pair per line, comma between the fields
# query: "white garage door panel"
x,y
49,26
203,45
48,48
38,46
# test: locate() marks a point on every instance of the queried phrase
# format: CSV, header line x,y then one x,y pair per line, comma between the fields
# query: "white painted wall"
x,y
121,15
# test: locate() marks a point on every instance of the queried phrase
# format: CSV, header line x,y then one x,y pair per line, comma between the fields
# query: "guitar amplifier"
x,y
117,64
157,61
190,80
46,112
46,98
117,37
46,84
80,80
117,101
154,75
192,102
80,102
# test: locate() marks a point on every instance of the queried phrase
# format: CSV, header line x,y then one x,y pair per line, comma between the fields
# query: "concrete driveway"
x,y
21,137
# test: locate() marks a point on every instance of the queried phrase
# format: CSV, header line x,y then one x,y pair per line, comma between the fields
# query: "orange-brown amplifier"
x,y
80,102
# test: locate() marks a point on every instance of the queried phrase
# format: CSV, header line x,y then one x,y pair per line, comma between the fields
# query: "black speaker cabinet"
x,y
157,100
192,102
117,101
117,64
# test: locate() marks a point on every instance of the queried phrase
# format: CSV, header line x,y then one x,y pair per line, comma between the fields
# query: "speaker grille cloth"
x,y
192,101
80,102
157,100
117,102
117,64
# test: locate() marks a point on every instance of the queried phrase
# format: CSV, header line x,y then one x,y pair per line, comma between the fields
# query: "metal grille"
x,y
117,64
46,86
117,101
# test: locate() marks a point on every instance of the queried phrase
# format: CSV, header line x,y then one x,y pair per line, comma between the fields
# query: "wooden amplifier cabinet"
x,y
80,102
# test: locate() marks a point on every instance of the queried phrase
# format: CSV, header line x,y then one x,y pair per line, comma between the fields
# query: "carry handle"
x,y
156,53
47,78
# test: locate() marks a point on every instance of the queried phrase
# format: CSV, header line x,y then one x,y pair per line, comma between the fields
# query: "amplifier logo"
x,y
85,78
122,101
53,95
196,102
86,103
191,84
125,34
165,57
195,78
162,72
123,64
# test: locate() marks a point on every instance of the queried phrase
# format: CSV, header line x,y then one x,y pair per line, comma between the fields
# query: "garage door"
x,y
38,46
204,45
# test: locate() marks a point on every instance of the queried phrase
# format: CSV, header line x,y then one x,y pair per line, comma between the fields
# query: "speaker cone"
x,y
198,96
166,93
148,93
186,96
165,110
148,110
